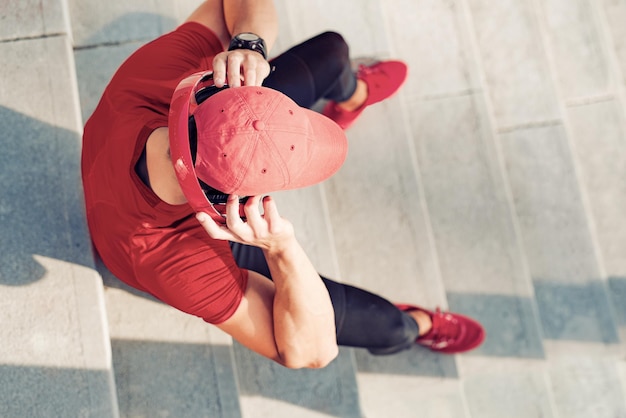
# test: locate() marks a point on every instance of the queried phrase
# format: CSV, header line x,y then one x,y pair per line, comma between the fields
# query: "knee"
x,y
336,47
335,41
403,332
401,335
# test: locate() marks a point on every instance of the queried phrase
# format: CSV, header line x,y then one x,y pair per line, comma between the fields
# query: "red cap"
x,y
251,141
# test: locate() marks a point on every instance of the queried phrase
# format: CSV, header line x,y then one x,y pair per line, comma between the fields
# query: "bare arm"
x,y
227,18
256,16
290,320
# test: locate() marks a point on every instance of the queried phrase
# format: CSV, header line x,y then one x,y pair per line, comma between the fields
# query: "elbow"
x,y
325,358
318,360
325,361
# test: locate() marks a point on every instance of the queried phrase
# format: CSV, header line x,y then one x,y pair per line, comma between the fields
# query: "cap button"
x,y
259,125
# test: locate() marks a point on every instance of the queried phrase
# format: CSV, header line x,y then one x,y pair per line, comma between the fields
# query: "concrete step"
x,y
167,363
55,357
492,169
492,185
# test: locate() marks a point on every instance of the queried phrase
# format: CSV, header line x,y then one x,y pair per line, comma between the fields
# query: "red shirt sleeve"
x,y
188,270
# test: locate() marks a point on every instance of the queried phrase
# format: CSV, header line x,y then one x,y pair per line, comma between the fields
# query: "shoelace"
x,y
368,69
445,329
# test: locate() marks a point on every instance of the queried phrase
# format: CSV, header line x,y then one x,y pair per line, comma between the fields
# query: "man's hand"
x,y
268,231
298,313
240,67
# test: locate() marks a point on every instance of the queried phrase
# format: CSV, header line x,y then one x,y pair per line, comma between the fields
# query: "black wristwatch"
x,y
248,40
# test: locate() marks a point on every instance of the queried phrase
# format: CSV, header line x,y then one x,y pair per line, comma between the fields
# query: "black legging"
x,y
362,319
320,69
315,69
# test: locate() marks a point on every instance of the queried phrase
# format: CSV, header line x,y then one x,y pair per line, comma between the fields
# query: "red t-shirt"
x,y
151,245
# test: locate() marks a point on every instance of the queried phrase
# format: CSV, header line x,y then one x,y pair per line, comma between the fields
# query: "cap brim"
x,y
178,127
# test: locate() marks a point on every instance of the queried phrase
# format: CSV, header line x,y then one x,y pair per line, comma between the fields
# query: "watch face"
x,y
247,40
248,37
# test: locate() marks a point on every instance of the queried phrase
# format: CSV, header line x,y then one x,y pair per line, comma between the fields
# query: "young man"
x,y
199,117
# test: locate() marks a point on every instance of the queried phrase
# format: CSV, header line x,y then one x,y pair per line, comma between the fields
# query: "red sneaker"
x,y
451,333
383,79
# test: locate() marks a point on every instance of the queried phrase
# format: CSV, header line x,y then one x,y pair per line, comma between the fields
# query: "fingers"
x,y
233,220
253,227
240,67
253,214
235,228
219,70
214,230
271,211
267,230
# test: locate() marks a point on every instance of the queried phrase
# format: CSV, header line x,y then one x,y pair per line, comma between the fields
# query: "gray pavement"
x,y
55,355
492,184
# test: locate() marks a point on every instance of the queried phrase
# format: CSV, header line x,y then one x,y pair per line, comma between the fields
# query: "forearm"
x,y
304,320
256,16
292,322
